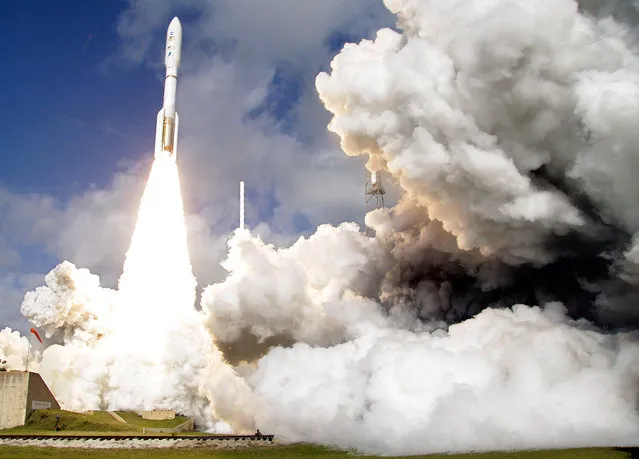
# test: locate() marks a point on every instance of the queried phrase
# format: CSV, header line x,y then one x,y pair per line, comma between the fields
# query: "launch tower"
x,y
374,195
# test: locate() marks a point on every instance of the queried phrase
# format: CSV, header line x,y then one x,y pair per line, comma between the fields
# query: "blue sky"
x,y
69,116
82,84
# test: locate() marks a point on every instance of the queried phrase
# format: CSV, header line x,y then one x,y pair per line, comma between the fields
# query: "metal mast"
x,y
242,206
374,195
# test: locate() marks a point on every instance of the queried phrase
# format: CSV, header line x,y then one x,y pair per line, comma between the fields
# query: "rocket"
x,y
168,122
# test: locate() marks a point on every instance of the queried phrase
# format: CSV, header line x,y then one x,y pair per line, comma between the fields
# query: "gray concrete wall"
x,y
20,394
14,386
39,396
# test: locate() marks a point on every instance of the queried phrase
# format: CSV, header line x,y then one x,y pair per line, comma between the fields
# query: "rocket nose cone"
x,y
175,24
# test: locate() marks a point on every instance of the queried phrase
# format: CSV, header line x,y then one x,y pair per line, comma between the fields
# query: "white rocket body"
x,y
168,122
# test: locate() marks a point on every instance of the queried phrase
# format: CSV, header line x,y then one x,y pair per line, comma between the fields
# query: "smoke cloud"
x,y
510,127
294,294
13,349
494,309
520,378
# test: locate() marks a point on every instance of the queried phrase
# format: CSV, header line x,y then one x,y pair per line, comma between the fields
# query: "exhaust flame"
x,y
157,279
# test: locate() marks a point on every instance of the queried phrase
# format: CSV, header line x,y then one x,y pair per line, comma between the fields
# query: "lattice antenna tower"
x,y
374,194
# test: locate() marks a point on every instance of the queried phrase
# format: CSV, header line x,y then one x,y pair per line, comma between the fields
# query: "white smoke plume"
x,y
13,349
524,378
351,374
71,306
474,320
293,294
509,125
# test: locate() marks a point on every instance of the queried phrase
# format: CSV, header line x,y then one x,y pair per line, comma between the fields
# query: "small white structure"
x,y
158,415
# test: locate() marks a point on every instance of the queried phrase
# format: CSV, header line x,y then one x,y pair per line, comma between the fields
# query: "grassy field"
x,y
42,422
98,421
283,452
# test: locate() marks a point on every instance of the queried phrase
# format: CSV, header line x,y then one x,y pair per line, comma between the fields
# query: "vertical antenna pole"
x,y
26,367
242,205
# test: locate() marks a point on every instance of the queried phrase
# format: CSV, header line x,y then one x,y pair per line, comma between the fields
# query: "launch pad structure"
x,y
21,392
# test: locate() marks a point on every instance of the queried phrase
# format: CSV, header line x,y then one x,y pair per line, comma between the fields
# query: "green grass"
x,y
134,420
292,451
42,422
283,452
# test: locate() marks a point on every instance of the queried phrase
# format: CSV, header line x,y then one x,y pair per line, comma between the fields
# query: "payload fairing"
x,y
168,122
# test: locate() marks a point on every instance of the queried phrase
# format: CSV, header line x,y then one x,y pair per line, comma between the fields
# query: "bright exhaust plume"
x,y
157,282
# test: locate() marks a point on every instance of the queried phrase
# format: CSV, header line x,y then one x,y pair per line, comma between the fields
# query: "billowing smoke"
x,y
71,306
339,368
510,126
13,349
505,379
494,309
296,294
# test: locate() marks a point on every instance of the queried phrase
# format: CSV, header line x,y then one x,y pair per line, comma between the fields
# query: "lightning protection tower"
x,y
374,195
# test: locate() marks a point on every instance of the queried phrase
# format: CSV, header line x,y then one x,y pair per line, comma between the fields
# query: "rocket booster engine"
x,y
168,122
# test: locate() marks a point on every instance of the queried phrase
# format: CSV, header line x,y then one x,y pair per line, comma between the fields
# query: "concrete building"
x,y
158,415
20,394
